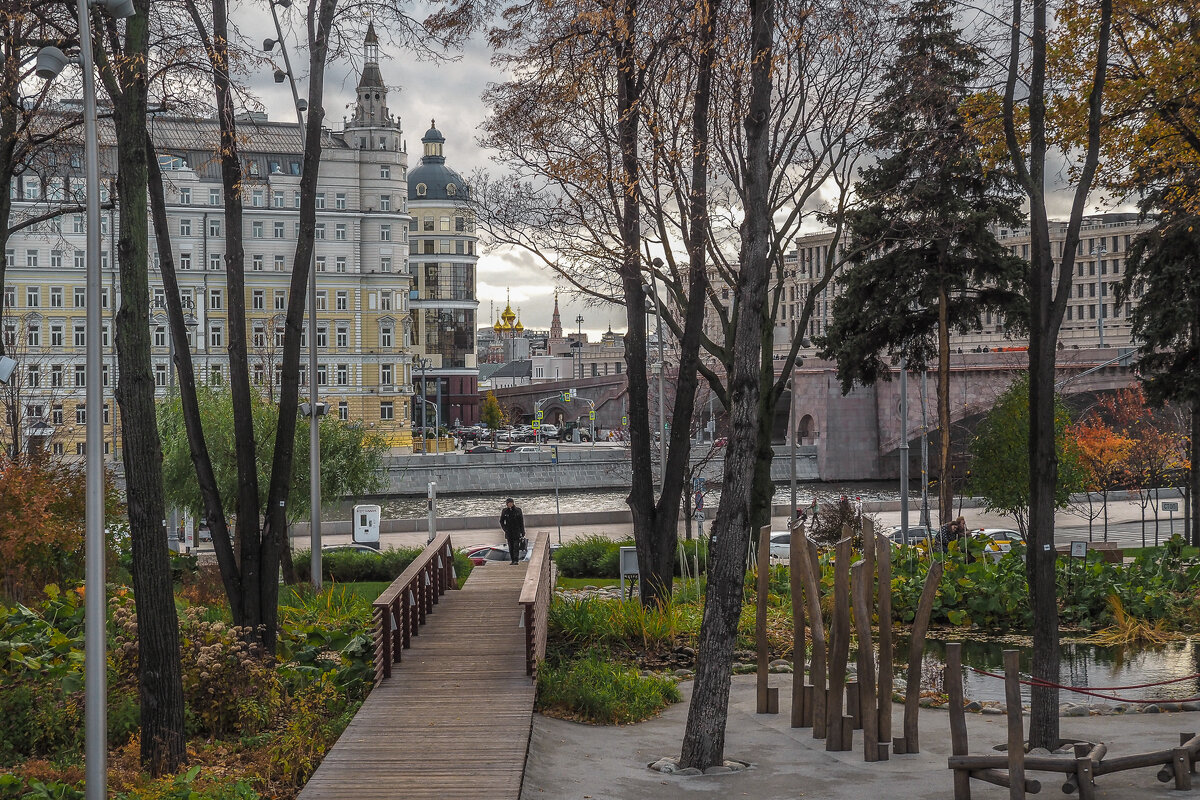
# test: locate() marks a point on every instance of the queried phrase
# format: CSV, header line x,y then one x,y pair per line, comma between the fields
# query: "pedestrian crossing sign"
x,y
591,415
540,413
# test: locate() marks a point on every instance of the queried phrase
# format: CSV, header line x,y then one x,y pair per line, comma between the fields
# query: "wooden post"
x,y
883,552
863,585
765,704
1181,762
810,566
916,652
798,639
853,704
1016,732
840,645
958,718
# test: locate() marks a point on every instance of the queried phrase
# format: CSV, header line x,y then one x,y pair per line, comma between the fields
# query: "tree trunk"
x,y
160,689
945,482
1194,470
704,736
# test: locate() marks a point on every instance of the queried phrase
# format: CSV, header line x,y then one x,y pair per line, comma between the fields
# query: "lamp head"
x,y
119,9
280,75
283,3
657,262
269,44
302,105
7,365
50,62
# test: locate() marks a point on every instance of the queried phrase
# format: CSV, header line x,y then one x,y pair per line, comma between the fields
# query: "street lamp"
x,y
50,62
314,430
1100,254
423,364
652,289
579,343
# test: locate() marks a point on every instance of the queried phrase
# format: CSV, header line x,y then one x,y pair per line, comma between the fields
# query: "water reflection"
x,y
1083,665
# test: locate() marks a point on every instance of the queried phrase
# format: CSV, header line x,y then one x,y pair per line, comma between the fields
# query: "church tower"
x,y
371,110
555,323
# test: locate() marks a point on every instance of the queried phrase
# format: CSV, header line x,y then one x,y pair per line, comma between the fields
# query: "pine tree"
x,y
926,261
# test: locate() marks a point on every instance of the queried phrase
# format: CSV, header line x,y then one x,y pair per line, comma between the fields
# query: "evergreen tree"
x,y
925,261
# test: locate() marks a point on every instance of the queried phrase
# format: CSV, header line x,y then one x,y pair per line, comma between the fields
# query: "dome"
x,y
432,179
498,327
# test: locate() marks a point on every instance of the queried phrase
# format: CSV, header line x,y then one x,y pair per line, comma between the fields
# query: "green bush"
x,y
595,621
592,556
348,566
595,689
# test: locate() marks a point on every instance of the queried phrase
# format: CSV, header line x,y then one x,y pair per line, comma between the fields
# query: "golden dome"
x,y
508,316
518,327
498,327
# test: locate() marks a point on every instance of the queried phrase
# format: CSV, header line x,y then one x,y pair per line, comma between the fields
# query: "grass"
x,y
1134,552
595,688
579,583
1128,630
365,590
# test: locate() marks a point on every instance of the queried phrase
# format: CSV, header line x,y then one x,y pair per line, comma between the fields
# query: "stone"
x,y
744,669
1120,708
736,766
689,772
780,662
927,702
665,765
722,770
991,710
1153,708
1076,711
683,673
1170,706
1190,705
974,705
685,650
781,669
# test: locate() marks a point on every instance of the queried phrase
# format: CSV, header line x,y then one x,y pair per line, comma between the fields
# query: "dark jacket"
x,y
512,522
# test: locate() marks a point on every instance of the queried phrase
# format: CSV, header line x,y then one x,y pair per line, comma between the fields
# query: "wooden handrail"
x,y
400,610
536,592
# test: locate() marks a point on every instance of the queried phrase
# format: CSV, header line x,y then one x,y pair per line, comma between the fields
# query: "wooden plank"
x,y
1016,732
807,552
998,778
763,570
916,653
863,586
462,692
840,646
887,669
799,644
953,682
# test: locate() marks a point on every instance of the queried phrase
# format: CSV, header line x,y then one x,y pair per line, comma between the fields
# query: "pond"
x,y
1082,665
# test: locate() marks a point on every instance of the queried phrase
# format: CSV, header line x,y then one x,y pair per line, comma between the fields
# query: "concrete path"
x,y
570,761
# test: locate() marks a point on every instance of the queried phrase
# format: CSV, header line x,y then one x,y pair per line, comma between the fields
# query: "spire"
x,y
555,322
371,107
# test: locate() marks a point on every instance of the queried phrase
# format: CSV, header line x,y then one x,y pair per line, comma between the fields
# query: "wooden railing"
x,y
535,598
398,613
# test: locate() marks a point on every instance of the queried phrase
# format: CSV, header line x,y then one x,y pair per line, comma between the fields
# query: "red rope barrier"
x,y
1090,692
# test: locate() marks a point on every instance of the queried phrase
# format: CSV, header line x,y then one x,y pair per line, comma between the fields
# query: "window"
x,y
277,200
56,297
10,296
342,298
258,300
319,233
35,378
339,264
322,375
320,263
160,375
185,196
216,337
427,224
79,335
281,299
343,374
339,201
80,375
77,223
295,199
33,296
104,338
322,336
160,336
31,258
385,202
420,190
343,411
451,189
80,259
185,260
385,233
343,336
385,410
322,300
320,199
385,337
215,376
257,263
278,230
385,300
214,197
257,229
385,170
56,335
56,259
214,262
33,335
56,415
214,299
214,227
460,224
259,339
444,224
56,376
279,264
80,413
256,198
339,232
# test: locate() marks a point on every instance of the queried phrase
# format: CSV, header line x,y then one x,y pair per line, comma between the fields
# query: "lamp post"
x,y
1100,254
904,450
792,440
925,453
50,62
423,364
579,344
314,422
652,287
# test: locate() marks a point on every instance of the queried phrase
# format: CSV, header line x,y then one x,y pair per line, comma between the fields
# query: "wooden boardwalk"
x,y
453,720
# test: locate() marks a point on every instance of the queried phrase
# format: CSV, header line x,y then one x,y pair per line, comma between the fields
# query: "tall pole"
x,y
925,452
662,410
904,450
95,603
792,440
1100,254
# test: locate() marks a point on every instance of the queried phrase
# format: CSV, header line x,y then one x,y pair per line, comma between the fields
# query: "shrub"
x,y
348,566
595,689
593,621
592,556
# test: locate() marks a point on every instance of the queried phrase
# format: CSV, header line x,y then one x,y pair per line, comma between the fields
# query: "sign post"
x,y
1171,506
557,510
432,511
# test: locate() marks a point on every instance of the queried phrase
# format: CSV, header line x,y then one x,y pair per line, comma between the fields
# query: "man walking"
x,y
512,522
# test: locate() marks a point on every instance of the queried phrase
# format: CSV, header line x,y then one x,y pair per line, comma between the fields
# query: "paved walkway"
x,y
454,719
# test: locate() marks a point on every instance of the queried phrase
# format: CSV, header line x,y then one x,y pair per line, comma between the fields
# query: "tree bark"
x,y
945,476
160,689
704,736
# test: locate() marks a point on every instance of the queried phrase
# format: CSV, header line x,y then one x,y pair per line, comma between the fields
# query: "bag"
x,y
524,543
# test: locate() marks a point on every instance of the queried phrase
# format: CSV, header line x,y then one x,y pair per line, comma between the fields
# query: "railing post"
x,y
398,626
383,644
530,640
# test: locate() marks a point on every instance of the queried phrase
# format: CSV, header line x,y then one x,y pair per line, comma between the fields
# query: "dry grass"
x,y
1128,629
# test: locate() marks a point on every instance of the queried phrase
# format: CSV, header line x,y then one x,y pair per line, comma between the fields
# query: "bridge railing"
x,y
398,613
535,601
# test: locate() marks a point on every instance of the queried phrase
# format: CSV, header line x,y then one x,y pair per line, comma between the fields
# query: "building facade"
x,y
379,313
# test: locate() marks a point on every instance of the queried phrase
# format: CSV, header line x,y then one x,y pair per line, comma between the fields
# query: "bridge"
x,y
606,391
452,708
857,436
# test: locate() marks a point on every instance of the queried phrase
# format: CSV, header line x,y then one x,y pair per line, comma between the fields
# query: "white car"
x,y
781,545
549,431
526,448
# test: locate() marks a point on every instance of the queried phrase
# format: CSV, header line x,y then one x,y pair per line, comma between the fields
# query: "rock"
x,y
1038,751
736,766
781,669
718,771
1075,711
1170,706
743,655
744,669
1120,708
1152,709
683,673
927,702
974,705
1190,705
689,772
992,710
665,765
684,650
780,662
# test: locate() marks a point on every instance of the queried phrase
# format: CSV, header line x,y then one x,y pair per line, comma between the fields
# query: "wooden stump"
x,y
806,550
916,652
863,587
760,622
883,552
839,646
798,638
1016,733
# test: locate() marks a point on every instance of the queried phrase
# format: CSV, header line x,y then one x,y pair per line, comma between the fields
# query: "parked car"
x,y
525,448
353,547
918,536
781,545
480,555
549,431
998,540
483,448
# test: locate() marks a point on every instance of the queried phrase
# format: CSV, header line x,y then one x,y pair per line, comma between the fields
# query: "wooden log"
x,y
868,705
810,566
1016,733
916,652
760,619
954,688
798,639
1181,761
839,644
809,695
847,732
887,669
1134,761
1084,780
962,784
998,778
884,750
1000,760
1094,754
898,745
853,703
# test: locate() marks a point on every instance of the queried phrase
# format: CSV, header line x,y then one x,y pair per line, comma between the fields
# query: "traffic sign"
x,y
624,420
537,424
540,413
566,396
1170,505
591,415
554,454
